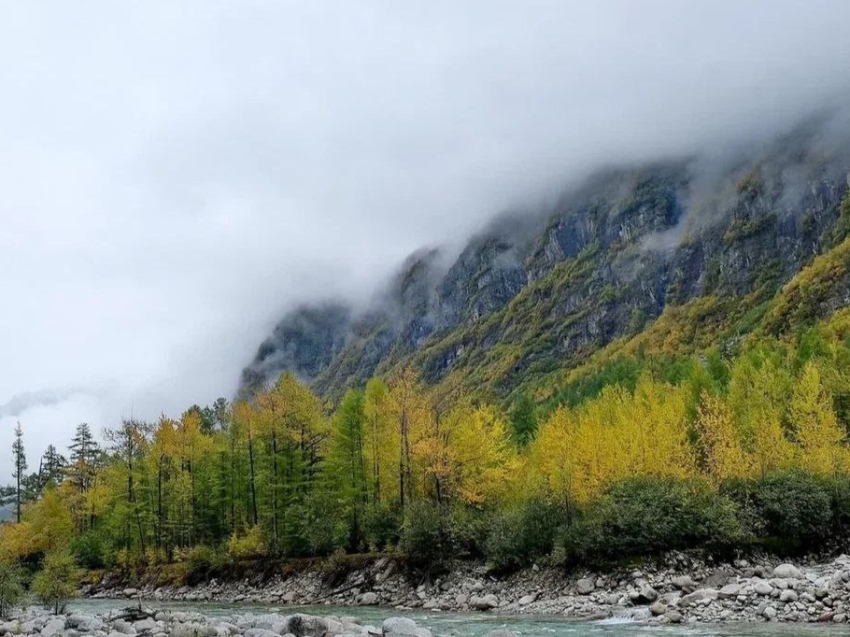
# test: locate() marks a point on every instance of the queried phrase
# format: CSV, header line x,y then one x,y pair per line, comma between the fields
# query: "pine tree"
x,y
524,419
20,474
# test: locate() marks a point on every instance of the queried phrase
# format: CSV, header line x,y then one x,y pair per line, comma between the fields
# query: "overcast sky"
x,y
174,175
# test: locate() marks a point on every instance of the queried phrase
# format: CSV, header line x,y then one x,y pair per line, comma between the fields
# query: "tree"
x,y
56,583
51,469
11,587
523,419
814,423
722,456
19,457
346,458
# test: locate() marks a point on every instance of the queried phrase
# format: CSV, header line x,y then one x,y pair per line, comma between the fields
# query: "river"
x,y
479,624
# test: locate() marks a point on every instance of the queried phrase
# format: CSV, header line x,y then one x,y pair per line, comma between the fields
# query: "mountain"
x,y
711,245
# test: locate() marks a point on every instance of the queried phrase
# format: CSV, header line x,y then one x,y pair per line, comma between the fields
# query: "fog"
x,y
173,176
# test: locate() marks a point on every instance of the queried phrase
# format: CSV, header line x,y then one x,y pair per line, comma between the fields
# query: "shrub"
x,y
645,515
11,587
90,550
246,545
381,524
56,583
468,529
791,508
522,535
200,562
424,534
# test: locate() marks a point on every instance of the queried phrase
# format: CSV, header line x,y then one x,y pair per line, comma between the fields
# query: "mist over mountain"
x,y
543,289
175,179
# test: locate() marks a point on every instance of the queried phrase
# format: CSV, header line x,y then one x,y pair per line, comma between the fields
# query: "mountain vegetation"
x,y
662,363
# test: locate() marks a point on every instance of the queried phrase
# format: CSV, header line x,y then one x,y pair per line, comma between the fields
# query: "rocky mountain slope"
x,y
711,240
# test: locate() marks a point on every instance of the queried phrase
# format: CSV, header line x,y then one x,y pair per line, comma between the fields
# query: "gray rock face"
x,y
764,220
585,586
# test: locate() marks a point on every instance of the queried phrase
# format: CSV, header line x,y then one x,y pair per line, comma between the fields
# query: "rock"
x,y
525,600
769,612
462,599
130,592
368,599
658,608
124,627
585,586
698,596
684,583
730,591
787,571
146,626
53,627
675,617
788,595
763,588
484,602
647,595
398,626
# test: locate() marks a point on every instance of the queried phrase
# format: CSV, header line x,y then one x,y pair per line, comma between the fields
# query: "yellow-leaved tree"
x,y
814,423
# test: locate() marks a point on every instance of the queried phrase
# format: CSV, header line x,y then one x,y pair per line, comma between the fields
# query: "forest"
x,y
652,451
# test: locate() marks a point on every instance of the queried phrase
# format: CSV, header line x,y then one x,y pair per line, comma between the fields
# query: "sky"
x,y
175,175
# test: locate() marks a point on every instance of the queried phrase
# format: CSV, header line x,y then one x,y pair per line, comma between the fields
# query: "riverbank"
x,y
680,589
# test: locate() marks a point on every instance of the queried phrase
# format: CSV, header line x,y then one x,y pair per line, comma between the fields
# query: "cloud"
x,y
174,175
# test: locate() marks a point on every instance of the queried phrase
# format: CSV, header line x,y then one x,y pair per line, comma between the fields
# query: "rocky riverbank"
x,y
680,589
163,623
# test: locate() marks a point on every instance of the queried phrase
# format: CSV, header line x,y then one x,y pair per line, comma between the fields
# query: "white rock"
x,y
787,571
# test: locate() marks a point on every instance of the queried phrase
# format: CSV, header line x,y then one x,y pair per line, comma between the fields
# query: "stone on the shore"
x,y
525,600
698,596
788,595
124,627
787,571
769,612
53,627
483,602
763,588
400,627
730,591
368,599
658,608
675,617
684,583
585,586
647,595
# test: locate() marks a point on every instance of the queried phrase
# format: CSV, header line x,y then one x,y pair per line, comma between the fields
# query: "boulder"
x,y
585,586
698,596
730,591
398,627
788,595
787,571
483,602
769,612
647,595
368,599
658,608
684,583
763,588
53,627
124,627
525,600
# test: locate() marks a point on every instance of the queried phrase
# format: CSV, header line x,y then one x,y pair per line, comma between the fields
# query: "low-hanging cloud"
x,y
174,175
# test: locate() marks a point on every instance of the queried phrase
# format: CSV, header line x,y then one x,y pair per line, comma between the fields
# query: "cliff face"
x,y
533,294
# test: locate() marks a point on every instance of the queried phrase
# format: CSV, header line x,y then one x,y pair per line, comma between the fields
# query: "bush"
x,y
424,534
522,535
11,587
468,530
644,516
90,550
246,545
56,583
381,525
791,508
201,561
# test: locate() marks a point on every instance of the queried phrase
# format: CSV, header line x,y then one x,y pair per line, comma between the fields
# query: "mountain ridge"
x,y
536,295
